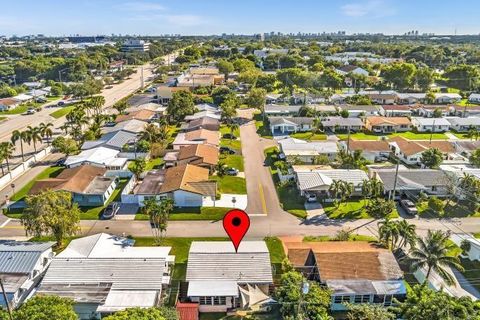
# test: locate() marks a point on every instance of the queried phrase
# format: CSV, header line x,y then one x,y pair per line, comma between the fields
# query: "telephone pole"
x,y
9,310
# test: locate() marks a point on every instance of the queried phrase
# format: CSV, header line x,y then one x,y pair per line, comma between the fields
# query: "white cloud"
x,y
141,6
373,8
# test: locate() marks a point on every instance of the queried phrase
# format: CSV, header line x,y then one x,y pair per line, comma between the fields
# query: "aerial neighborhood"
x,y
356,159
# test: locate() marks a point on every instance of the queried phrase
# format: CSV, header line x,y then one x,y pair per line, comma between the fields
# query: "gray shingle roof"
x,y
317,178
339,121
115,139
412,179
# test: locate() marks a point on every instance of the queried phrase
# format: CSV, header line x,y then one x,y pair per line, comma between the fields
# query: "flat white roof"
x,y
121,299
212,288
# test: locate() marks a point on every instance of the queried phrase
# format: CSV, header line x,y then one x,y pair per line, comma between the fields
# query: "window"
x,y
341,299
378,298
219,301
388,300
205,300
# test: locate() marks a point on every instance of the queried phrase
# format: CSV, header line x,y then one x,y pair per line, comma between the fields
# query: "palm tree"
x,y
34,135
21,136
233,126
431,253
336,189
317,124
6,151
96,104
388,233
473,133
46,130
407,232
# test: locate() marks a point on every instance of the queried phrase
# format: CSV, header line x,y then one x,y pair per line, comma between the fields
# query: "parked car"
x,y
110,124
111,210
41,100
60,103
409,207
31,111
227,150
381,159
311,197
229,136
281,156
231,171
60,162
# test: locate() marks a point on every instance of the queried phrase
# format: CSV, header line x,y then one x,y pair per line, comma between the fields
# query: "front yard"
x,y
95,213
231,142
310,136
233,161
230,184
50,172
452,210
410,135
351,209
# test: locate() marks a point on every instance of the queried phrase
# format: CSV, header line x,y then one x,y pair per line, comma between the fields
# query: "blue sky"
x,y
193,17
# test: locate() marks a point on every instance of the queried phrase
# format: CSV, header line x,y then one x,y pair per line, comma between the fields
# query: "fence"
x,y
126,195
24,166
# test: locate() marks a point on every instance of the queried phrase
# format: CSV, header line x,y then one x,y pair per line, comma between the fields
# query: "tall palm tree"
x,y
336,189
21,136
388,233
233,126
97,103
46,130
34,136
431,253
407,232
473,133
6,151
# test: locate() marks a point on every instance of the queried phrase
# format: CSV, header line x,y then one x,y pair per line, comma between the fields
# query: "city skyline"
x,y
248,17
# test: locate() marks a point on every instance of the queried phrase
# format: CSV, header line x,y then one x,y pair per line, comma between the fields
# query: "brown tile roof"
x,y
298,257
367,145
204,123
186,177
73,180
210,137
8,102
345,260
376,120
143,115
208,154
410,147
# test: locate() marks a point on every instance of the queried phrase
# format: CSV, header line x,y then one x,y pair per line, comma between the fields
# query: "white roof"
x,y
470,121
105,245
201,114
474,96
121,299
212,288
22,97
317,178
431,121
292,146
217,261
411,95
134,125
447,95
101,155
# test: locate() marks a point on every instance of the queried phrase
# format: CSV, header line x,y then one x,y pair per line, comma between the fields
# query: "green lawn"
x,y
226,130
94,213
155,163
453,210
407,135
50,172
233,161
477,235
233,144
62,112
309,136
20,109
351,209
230,184
203,213
2,118
275,247
262,128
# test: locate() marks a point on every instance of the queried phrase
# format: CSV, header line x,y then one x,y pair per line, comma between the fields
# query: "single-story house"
x,y
187,185
8,104
273,98
100,157
207,107
474,98
201,155
220,279
464,124
335,124
199,136
360,111
430,124
351,69
444,98
201,123
372,150
381,97
286,125
23,97
395,111
428,111
411,98
134,126
340,98
145,115
22,266
307,150
388,124
318,181
281,110
466,148
410,182
105,273
164,94
355,272
466,111
324,109
114,140
410,152
88,185
202,114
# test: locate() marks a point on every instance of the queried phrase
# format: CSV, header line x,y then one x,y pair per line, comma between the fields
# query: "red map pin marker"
x,y
236,223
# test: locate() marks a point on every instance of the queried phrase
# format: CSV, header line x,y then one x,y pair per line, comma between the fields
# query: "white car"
x,y
311,197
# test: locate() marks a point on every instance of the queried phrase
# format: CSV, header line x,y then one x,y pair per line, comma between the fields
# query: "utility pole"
x,y
142,84
392,194
348,141
433,130
9,310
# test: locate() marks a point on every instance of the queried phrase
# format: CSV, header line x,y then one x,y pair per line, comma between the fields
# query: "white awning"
x,y
252,296
120,300
212,289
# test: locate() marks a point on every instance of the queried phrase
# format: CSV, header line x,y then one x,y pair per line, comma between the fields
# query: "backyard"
x,y
233,161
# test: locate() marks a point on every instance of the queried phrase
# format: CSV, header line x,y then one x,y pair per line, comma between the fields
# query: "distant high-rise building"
x,y
135,45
